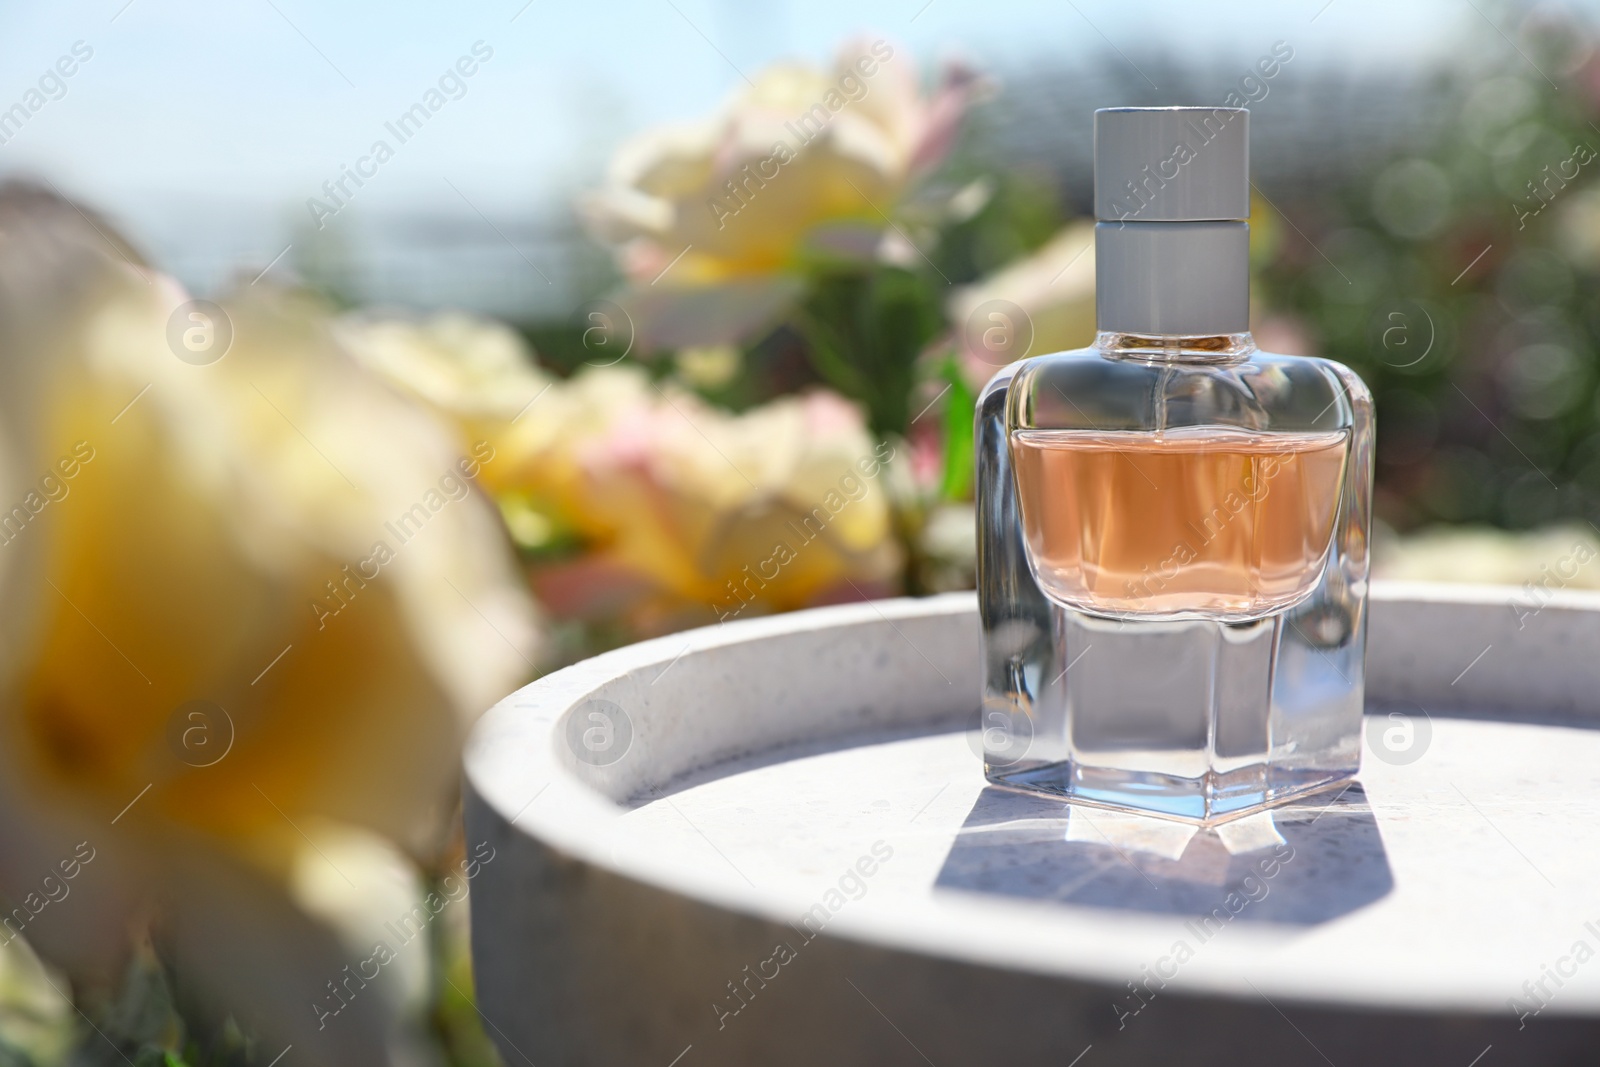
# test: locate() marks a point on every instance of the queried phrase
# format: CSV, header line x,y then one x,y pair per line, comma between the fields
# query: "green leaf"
x,y
960,408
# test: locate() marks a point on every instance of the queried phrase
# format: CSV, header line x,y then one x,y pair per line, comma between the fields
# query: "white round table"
x,y
771,842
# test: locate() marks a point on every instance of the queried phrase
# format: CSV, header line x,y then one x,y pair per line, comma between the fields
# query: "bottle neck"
x,y
1176,348
1172,279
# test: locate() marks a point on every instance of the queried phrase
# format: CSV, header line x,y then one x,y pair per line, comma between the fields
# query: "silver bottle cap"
x,y
1172,164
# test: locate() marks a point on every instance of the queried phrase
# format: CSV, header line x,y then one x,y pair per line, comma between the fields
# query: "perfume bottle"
x,y
1173,524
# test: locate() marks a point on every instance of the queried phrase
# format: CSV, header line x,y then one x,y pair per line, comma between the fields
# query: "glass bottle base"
x,y
1209,800
1194,719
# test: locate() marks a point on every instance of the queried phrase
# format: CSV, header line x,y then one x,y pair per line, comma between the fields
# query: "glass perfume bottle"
x,y
1173,524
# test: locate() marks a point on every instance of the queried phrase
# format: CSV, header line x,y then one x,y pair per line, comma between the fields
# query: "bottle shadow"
x,y
1300,864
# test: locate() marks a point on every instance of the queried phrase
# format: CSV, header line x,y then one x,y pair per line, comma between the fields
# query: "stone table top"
x,y
810,780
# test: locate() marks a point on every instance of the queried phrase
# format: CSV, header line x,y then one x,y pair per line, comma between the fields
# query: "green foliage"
x,y
1458,278
144,1022
1020,211
865,328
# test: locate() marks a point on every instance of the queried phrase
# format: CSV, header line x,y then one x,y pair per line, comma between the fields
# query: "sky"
x,y
198,124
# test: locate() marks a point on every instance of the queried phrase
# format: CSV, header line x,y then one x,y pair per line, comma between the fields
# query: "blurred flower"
x,y
682,512
711,366
710,218
1495,557
949,543
252,606
1579,232
477,368
1267,233
477,374
480,378
1042,303
36,1019
780,507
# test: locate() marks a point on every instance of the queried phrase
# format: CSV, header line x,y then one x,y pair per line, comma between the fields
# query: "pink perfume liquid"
x,y
1224,523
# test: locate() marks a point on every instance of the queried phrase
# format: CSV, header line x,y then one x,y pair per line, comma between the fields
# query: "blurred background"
x,y
365,364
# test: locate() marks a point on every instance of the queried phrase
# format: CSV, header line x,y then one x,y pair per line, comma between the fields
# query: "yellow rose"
x,y
709,216
476,373
1041,303
480,378
774,509
252,605
686,512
